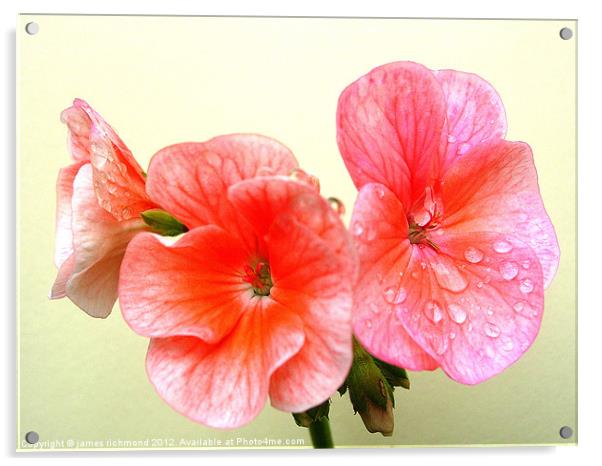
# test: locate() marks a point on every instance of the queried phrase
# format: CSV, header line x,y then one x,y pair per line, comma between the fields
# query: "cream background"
x,y
161,80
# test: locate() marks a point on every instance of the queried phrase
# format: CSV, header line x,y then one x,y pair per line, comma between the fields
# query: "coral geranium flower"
x,y
255,299
455,245
99,200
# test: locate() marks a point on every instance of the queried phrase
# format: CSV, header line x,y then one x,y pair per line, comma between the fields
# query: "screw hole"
x,y
566,432
566,33
32,437
32,28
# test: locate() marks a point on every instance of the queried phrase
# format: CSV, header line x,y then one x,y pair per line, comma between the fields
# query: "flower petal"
x,y
64,194
475,112
494,188
225,385
99,242
262,200
473,305
309,281
191,287
381,232
59,287
190,180
390,128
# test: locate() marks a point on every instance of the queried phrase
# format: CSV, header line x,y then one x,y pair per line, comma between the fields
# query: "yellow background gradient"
x,y
162,80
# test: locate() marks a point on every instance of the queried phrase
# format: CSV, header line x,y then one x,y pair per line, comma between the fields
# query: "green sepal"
x,y
317,413
162,223
396,376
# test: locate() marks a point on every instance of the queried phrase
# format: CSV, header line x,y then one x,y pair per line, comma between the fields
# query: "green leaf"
x,y
163,223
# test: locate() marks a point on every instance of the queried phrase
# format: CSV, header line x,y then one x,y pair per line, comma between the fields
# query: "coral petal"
x,y
309,281
190,180
225,385
64,194
390,126
494,188
381,233
191,287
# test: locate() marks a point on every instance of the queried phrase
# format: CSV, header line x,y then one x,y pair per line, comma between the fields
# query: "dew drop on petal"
x,y
473,255
457,313
448,275
491,330
358,229
452,335
479,284
380,192
433,311
502,246
509,270
368,323
440,344
519,306
395,297
451,138
526,264
526,286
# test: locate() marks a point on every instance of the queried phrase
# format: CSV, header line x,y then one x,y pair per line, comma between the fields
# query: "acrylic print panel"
x,y
454,258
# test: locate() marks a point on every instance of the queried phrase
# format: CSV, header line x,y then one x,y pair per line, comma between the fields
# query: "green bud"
x,y
163,223
370,384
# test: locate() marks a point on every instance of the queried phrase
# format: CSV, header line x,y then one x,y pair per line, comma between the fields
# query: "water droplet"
x,y
369,323
526,264
526,286
452,335
337,205
358,229
122,168
395,297
126,212
509,270
489,311
111,188
380,192
423,265
479,284
473,255
451,138
519,306
463,148
502,246
433,311
491,330
507,344
448,275
457,313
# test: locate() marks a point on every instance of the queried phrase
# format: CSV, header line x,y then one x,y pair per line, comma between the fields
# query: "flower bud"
x,y
163,223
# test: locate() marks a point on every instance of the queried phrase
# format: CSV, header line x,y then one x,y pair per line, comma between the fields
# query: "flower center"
x,y
424,218
259,277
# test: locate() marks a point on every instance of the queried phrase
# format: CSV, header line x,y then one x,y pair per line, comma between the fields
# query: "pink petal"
x,y
64,193
309,281
59,288
262,200
225,385
390,128
472,306
99,242
381,232
494,188
192,287
475,112
118,178
190,180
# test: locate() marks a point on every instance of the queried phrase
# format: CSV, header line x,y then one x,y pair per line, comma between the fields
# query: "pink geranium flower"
x,y
455,245
255,299
99,200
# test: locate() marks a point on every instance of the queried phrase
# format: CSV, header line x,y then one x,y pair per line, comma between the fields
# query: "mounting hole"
x,y
32,28
32,437
566,33
566,432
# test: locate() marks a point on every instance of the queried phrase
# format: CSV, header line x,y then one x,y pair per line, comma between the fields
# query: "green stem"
x,y
319,431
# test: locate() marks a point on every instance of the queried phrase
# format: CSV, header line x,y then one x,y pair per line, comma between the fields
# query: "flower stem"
x,y
319,430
